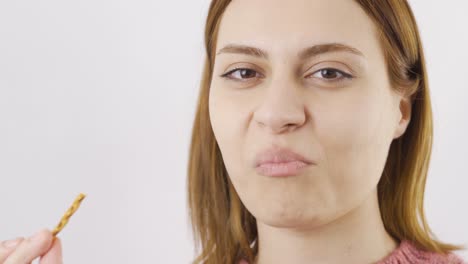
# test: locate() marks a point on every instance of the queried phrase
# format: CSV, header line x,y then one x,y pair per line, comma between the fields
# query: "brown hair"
x,y
222,224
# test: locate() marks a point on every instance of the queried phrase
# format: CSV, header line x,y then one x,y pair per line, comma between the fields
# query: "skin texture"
x,y
42,245
328,213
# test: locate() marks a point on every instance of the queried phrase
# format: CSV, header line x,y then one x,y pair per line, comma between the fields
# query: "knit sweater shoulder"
x,y
408,253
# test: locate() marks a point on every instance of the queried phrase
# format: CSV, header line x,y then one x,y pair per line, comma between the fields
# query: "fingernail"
x,y
11,243
36,236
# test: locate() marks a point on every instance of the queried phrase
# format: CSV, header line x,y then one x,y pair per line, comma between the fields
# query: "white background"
x,y
98,96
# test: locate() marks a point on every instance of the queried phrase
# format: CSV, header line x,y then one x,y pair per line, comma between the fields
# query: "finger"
x,y
6,247
54,255
31,248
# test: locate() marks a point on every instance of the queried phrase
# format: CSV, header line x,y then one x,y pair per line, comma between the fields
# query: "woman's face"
x,y
333,105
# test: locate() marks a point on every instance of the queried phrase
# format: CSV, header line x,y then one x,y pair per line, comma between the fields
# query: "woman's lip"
x,y
279,155
281,169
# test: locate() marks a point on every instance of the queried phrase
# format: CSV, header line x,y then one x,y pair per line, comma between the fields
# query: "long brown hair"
x,y
221,223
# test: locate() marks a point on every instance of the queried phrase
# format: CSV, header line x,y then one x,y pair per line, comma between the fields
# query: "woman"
x,y
313,135
311,141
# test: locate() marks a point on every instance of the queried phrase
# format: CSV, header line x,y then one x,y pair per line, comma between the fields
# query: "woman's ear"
x,y
404,116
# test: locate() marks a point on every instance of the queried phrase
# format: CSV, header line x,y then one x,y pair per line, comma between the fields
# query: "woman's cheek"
x,y
228,117
337,126
231,110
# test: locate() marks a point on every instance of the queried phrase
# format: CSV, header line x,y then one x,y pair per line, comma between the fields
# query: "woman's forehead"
x,y
294,10
274,24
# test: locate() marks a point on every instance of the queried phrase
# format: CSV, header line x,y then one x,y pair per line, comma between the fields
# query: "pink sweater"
x,y
407,253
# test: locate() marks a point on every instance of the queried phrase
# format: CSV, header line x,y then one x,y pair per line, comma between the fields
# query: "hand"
x,y
43,244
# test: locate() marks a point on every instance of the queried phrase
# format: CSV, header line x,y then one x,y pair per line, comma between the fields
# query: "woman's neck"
x,y
358,236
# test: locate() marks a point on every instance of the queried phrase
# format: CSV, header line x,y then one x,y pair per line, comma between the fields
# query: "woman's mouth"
x,y
281,169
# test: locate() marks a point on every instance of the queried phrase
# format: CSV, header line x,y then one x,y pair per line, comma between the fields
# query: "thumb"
x,y
54,254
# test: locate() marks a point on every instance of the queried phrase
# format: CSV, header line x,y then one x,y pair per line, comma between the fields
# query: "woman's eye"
x,y
240,74
326,74
330,74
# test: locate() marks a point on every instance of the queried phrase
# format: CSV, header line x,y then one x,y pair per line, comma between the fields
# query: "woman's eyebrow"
x,y
302,55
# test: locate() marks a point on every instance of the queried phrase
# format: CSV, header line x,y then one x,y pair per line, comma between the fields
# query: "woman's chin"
x,y
289,218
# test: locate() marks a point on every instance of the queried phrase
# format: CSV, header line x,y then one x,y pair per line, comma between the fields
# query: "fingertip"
x,y
42,240
41,235
54,255
56,240
46,231
57,243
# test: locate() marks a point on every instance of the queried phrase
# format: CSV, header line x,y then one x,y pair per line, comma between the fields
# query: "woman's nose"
x,y
281,108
